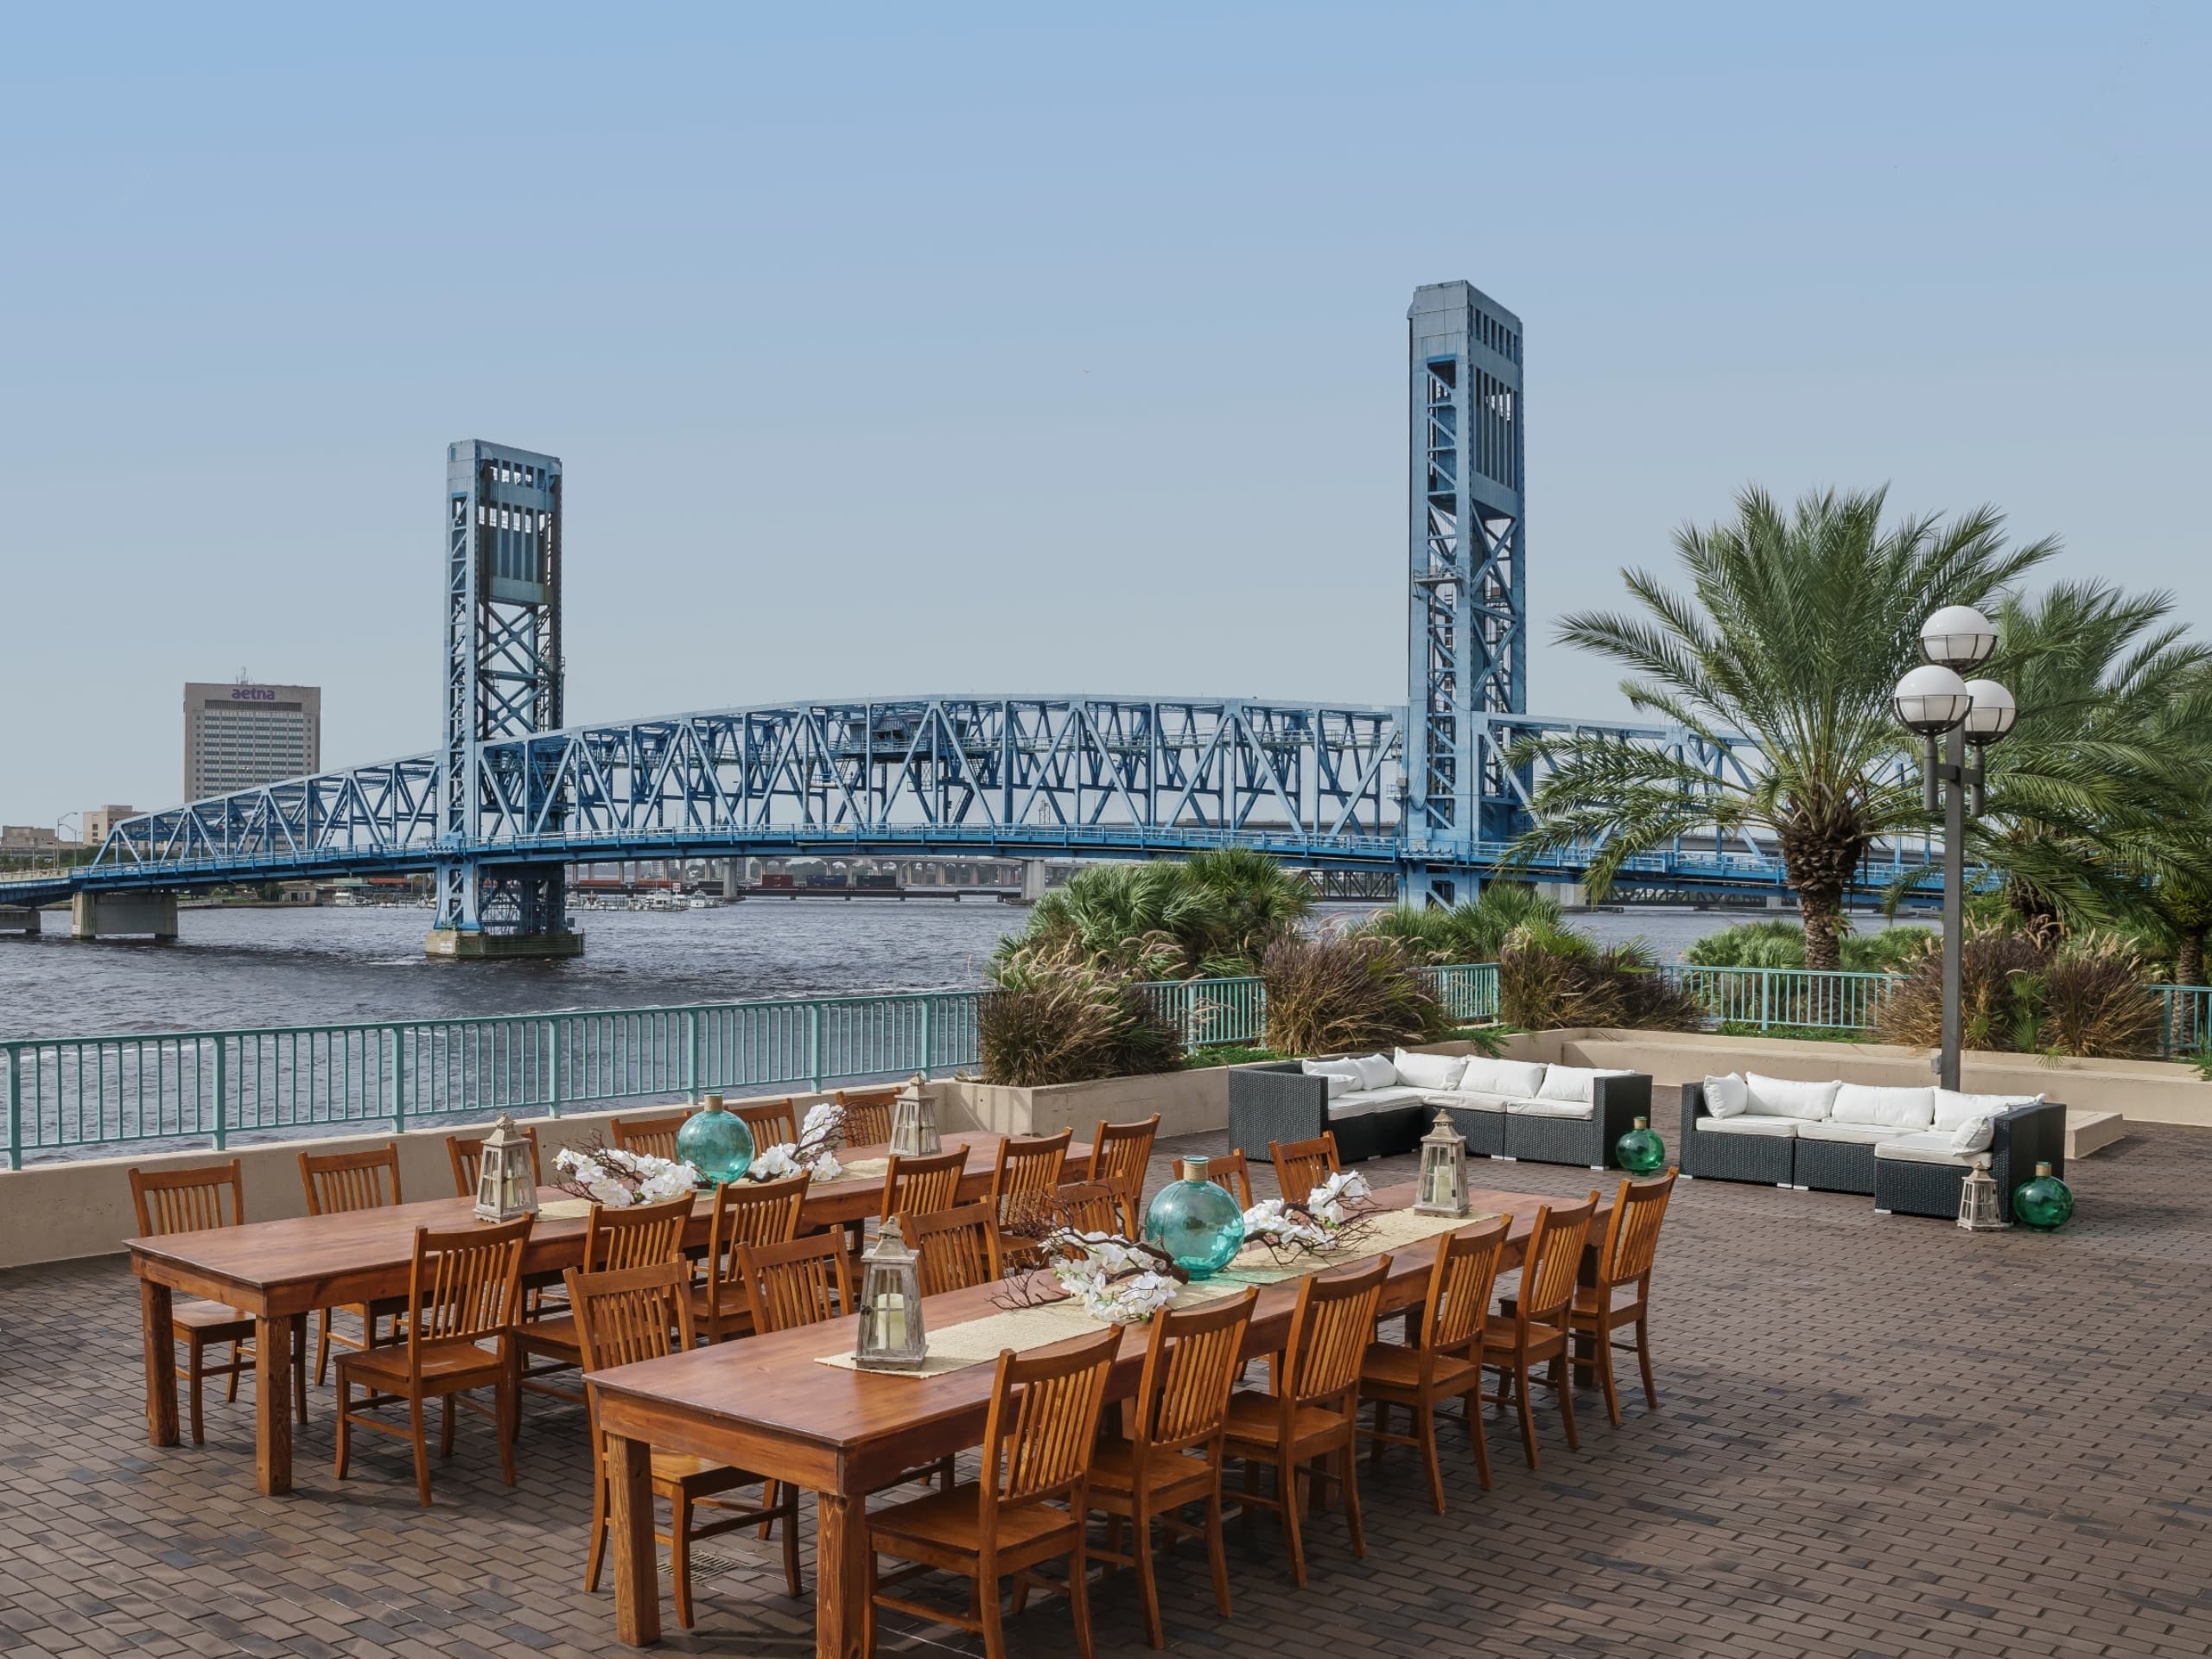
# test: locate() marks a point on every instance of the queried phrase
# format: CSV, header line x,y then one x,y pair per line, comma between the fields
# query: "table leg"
x,y
840,1576
272,1405
637,1572
160,1336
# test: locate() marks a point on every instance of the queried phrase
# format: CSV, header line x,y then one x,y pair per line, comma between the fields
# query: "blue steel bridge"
x,y
516,794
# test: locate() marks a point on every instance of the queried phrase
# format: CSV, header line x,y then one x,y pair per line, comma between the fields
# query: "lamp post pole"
x,y
1955,900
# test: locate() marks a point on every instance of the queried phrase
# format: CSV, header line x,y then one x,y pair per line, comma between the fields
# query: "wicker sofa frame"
x,y
1768,1159
2025,1136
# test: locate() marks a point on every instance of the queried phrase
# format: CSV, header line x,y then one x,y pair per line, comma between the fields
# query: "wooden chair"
x,y
653,1136
191,1201
1446,1357
773,1122
1037,1441
959,1249
1173,1455
922,1186
1027,1173
1303,1164
1535,1331
337,1183
1621,1294
1091,1207
804,1281
1120,1155
645,1313
467,1152
642,1235
1314,1411
1226,1170
746,1212
464,1288
868,1116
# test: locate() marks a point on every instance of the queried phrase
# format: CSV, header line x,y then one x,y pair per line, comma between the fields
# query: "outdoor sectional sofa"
x,y
1908,1147
1506,1109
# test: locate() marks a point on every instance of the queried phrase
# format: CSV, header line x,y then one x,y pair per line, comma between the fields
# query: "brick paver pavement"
x,y
1875,1436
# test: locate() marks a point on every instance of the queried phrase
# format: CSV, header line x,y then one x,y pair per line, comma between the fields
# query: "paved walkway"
x,y
1875,1436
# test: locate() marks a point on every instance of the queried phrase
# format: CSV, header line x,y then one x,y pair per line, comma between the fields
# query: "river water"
x,y
285,967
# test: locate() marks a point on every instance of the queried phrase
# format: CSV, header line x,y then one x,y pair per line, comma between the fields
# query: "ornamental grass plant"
x,y
2084,997
1345,992
1054,1014
1548,979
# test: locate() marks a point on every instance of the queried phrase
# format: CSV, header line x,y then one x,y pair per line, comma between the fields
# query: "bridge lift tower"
x,y
502,679
1467,645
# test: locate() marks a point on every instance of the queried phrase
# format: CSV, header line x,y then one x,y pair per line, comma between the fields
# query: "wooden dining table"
x,y
766,1404
279,1272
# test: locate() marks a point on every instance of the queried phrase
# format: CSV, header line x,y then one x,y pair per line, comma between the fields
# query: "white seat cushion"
x,y
1542,1107
1953,1109
1904,1110
1726,1096
1514,1079
1574,1082
1786,1098
1471,1103
1856,1134
1361,1101
1930,1146
1429,1070
1780,1128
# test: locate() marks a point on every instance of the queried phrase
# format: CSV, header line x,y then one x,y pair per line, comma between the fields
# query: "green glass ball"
x,y
2045,1204
1641,1152
1196,1222
717,1143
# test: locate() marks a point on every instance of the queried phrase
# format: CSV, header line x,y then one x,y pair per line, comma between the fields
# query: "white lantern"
x,y
913,1121
1443,1187
1957,636
1993,712
1930,699
507,1174
1977,1212
891,1336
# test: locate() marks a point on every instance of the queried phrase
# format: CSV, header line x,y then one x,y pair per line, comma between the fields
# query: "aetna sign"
x,y
252,693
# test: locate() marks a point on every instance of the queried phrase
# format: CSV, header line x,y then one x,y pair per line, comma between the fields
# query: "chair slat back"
x,y
467,1152
1027,1173
1190,1366
1090,1207
465,1286
804,1281
642,1235
754,1212
1229,1171
189,1200
1329,1330
1460,1285
631,1313
959,1247
868,1116
1044,1417
1119,1153
773,1122
1303,1164
653,1136
923,1187
1553,1262
1632,1235
338,1182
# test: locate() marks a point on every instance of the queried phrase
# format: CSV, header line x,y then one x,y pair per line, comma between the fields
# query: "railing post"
x,y
553,1033
14,1105
814,1045
691,1051
929,1007
1766,995
399,1078
2165,1022
222,1095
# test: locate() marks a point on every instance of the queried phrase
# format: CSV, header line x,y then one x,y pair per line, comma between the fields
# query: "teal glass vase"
x,y
1640,1151
1196,1221
2045,1204
717,1143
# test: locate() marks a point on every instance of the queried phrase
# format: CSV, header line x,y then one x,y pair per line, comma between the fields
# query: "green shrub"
x,y
1782,944
1472,930
2086,996
1341,991
1543,986
1212,915
1055,1015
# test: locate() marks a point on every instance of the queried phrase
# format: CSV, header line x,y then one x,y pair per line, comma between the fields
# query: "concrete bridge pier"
x,y
19,918
122,915
1033,873
526,905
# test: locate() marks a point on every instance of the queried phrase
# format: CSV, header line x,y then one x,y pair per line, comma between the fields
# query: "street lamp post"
x,y
1951,715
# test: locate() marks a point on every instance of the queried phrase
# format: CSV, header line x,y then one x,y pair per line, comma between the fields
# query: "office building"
x,y
99,820
237,736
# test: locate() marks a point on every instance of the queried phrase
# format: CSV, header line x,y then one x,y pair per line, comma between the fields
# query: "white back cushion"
x,y
1575,1082
1893,1108
1953,1109
1519,1079
1786,1098
1343,1075
1429,1070
1726,1096
1376,1071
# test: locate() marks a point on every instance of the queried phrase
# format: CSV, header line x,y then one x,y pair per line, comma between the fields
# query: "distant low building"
x,y
31,838
99,820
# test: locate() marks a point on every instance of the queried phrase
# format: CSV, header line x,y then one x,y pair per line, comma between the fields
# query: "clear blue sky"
x,y
952,348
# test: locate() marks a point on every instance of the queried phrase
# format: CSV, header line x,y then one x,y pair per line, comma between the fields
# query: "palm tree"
x,y
1474,930
1213,915
1796,629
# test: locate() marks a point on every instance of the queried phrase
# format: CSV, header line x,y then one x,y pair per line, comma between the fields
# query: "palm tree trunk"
x,y
2189,961
1823,946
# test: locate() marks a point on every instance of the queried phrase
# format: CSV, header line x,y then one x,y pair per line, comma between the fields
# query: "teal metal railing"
x,y
1767,997
1209,1012
2184,1020
1467,991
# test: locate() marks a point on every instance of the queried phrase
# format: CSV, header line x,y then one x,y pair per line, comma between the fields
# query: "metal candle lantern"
x,y
891,1335
1977,1212
1443,1170
913,1121
506,1175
